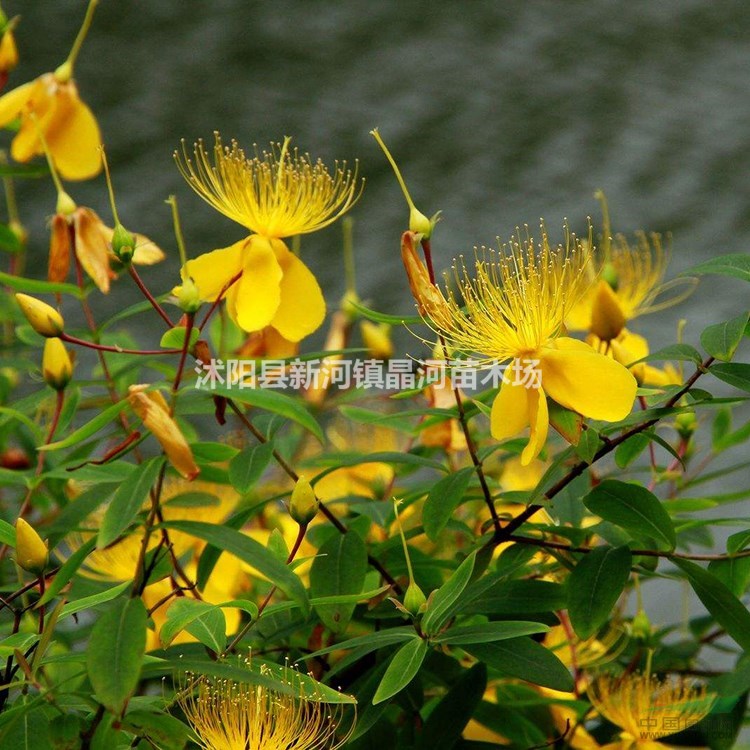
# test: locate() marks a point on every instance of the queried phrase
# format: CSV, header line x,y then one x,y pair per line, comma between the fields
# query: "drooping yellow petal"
x,y
607,317
211,271
59,249
594,385
301,307
91,247
73,136
539,423
256,297
12,103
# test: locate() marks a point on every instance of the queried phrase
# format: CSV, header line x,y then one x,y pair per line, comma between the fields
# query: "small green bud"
x,y
414,599
188,296
66,206
686,424
123,243
347,305
303,506
641,626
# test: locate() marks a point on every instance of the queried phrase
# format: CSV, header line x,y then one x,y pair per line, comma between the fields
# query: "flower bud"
x,y
607,318
303,506
57,368
188,296
641,626
347,305
31,552
66,206
123,244
419,223
686,424
414,599
43,318
377,339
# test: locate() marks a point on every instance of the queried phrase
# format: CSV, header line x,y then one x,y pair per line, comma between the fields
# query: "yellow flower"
x,y
630,285
228,715
31,552
57,369
83,232
45,320
647,708
152,409
275,194
377,339
515,308
51,111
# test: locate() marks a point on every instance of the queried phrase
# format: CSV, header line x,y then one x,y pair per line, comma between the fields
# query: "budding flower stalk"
x,y
31,552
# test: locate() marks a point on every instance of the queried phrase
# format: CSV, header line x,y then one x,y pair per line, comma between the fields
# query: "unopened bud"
x,y
188,296
57,368
123,243
43,318
641,626
377,338
686,424
31,552
66,206
414,599
348,305
303,506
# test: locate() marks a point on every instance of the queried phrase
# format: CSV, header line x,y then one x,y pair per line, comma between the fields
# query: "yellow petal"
x,y
607,317
510,411
73,136
539,423
91,247
257,295
211,271
301,307
594,385
59,249
13,102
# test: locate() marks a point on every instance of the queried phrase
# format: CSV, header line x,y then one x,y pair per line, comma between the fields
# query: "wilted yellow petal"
x,y
91,247
594,385
59,249
152,409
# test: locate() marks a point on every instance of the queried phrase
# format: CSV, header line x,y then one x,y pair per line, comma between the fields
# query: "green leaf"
x,y
211,453
250,552
163,730
339,568
245,468
78,605
115,651
493,595
721,340
67,571
594,587
204,621
727,609
34,286
734,373
128,501
9,240
401,671
339,460
734,264
588,445
526,660
678,352
40,169
489,632
273,401
633,508
29,731
444,497
174,338
90,428
627,452
733,572
568,423
441,602
737,542
7,534
450,716
370,642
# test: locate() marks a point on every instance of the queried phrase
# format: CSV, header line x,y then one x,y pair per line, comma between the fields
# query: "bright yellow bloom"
x,y
227,715
631,284
647,708
51,111
515,308
31,552
43,318
274,194
153,410
57,368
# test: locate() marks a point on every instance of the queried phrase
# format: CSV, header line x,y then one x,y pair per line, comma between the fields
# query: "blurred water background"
x,y
498,112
